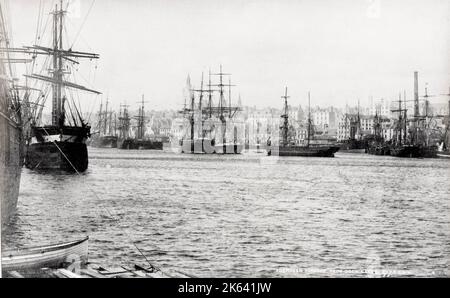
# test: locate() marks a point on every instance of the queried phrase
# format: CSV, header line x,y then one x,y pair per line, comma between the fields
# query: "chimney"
x,y
416,94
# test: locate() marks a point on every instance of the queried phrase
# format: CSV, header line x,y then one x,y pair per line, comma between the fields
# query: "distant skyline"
x,y
341,51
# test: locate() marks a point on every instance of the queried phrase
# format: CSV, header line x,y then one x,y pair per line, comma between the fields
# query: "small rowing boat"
x,y
49,256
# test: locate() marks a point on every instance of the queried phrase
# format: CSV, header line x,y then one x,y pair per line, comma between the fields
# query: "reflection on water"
x,y
247,215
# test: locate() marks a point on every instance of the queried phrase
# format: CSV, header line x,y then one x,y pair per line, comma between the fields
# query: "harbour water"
x,y
247,215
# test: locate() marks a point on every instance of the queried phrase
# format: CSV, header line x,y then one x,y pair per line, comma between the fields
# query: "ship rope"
x,y
110,215
10,121
82,24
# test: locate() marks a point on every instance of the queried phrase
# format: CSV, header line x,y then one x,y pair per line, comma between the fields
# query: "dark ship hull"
x,y
379,150
10,165
353,146
133,144
104,142
311,151
413,151
66,151
377,146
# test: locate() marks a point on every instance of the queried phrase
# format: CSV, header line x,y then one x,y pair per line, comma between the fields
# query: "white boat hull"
x,y
50,256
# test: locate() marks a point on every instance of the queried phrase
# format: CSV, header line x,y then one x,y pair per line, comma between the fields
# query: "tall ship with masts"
x,y
211,127
60,145
105,135
287,147
140,141
376,143
11,140
354,142
412,136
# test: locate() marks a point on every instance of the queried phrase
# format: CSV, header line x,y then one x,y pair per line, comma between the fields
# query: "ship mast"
x,y
115,124
59,56
200,107
57,116
124,122
358,128
105,120
309,118
100,115
221,115
210,91
192,121
285,116
405,116
141,119
400,130
110,126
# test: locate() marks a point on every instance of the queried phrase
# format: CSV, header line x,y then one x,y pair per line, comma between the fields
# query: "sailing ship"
x,y
376,144
444,148
62,144
11,140
415,141
209,125
287,147
140,141
105,136
355,143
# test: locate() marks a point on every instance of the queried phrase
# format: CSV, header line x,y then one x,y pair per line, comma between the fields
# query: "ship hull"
x,y
58,149
378,150
413,151
10,167
50,256
353,146
132,144
358,151
319,151
104,142
56,156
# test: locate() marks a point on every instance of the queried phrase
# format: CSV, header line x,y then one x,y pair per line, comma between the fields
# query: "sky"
x,y
341,51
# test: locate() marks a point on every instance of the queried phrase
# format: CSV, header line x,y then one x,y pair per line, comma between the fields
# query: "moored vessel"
x,y
47,256
355,143
210,127
412,136
105,136
376,144
60,145
141,141
286,147
11,138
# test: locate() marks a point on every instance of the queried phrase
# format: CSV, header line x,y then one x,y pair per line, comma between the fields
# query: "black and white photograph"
x,y
224,139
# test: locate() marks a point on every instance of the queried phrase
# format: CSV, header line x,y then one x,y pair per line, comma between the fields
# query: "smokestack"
x,y
416,94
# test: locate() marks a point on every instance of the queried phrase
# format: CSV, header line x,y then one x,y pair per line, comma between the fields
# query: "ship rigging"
x,y
62,144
